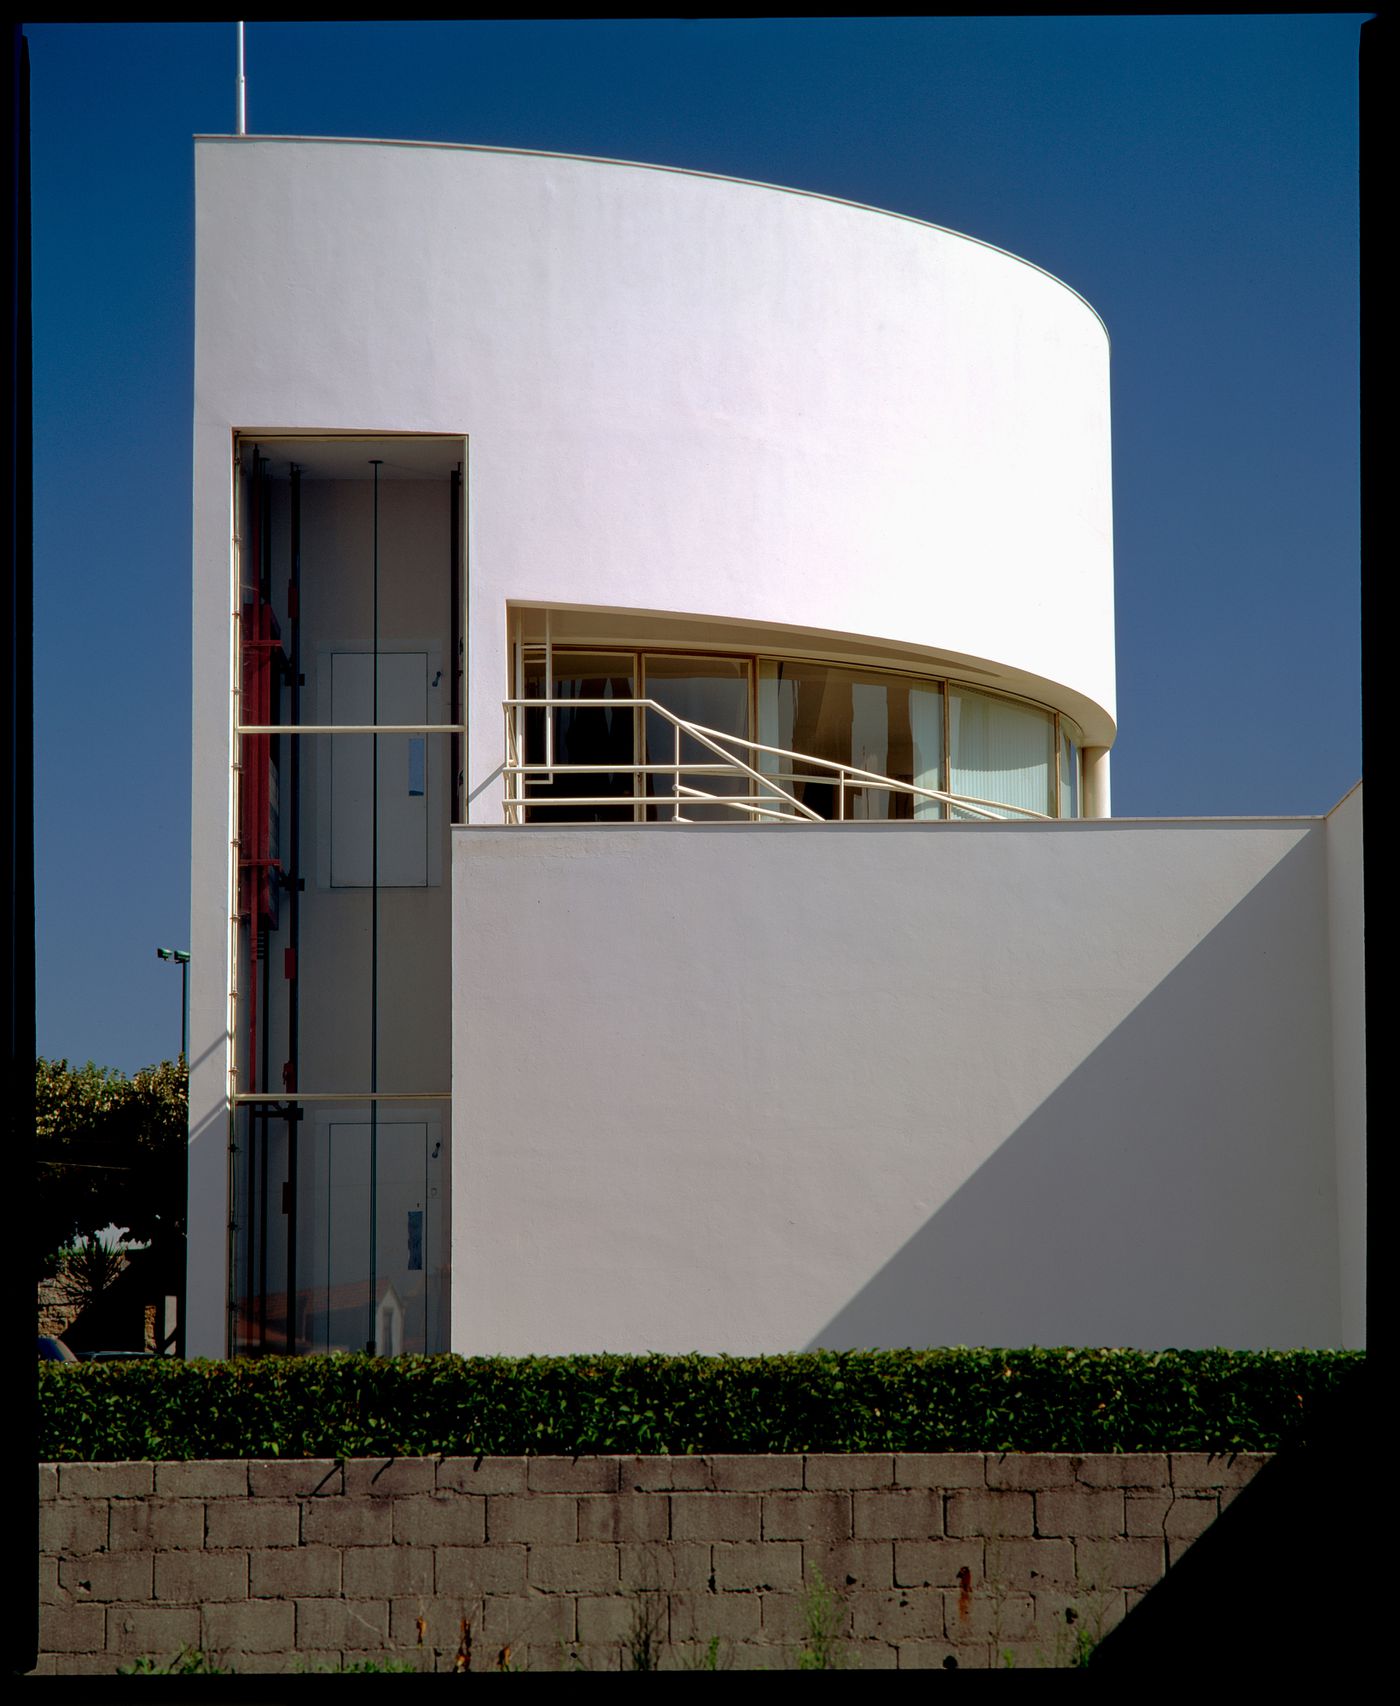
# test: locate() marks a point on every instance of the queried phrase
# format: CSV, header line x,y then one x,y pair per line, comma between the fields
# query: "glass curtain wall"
x,y
349,620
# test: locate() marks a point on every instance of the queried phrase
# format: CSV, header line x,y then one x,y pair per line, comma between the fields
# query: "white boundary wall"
x,y
750,1090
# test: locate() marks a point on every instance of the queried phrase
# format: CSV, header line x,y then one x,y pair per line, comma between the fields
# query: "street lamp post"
x,y
182,959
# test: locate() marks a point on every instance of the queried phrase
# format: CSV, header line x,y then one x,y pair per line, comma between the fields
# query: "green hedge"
x,y
938,1400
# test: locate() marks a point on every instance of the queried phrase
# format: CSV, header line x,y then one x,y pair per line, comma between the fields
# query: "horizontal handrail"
x,y
518,771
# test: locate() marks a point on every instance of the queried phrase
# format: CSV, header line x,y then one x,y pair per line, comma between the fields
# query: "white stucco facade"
x,y
702,414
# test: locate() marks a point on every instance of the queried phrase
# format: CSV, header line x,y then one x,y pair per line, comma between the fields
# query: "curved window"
x,y
829,737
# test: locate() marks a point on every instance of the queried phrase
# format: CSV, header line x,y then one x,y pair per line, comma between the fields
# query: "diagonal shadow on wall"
x,y
1177,1189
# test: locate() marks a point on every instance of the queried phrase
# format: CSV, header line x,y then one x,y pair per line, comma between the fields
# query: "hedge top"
x,y
954,1399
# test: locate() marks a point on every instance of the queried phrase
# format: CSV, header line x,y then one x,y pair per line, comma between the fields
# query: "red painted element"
x,y
964,1593
289,965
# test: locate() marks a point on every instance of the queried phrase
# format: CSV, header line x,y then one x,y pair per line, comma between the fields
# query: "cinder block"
x,y
938,1563
252,1626
573,1474
296,1478
206,1478
378,1572
734,1474
72,1628
834,1472
1143,1469
1137,1563
481,1475
617,1618
1086,1511
109,1575
1177,1549
850,1563
1200,1471
48,1481
926,1655
105,1480
1026,1565
441,1519
872,1655
1188,1517
774,1565
329,1623
1030,1471
87,1664
191,1578
677,1565
996,1515
468,1572
986,1616
718,1516
583,1567
1145,1514
521,1620
1061,1617
702,1616
157,1524
666,1474
253,1522
907,1614
390,1477
422,1621
574,1657
532,1517
159,1630
347,1522
946,1470
914,1513
73,1526
49,1591
810,1516
294,1572
624,1516
784,1618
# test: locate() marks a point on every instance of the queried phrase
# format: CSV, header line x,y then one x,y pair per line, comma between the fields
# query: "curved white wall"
x,y
683,393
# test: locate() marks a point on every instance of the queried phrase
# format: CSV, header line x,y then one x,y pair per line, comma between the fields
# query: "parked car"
x,y
116,1356
54,1350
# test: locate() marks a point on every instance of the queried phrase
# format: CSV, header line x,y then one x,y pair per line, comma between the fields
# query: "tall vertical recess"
x,y
374,951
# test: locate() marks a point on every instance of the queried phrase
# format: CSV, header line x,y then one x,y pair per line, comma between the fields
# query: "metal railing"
x,y
767,797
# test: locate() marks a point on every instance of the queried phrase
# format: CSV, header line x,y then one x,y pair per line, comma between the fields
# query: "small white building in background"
x,y
723,944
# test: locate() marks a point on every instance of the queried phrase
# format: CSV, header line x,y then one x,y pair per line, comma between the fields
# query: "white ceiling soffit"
x,y
348,458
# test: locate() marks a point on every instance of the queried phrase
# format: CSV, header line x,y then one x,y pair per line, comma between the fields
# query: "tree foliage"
x,y
110,1151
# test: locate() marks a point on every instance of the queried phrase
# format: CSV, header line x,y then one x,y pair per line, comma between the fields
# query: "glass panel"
x,y
1070,741
1001,751
889,724
594,736
710,691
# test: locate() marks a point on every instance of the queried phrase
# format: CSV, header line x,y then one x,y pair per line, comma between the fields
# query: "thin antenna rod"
x,y
242,89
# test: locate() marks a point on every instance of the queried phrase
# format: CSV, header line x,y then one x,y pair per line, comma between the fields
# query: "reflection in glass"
x,y
713,692
596,736
888,724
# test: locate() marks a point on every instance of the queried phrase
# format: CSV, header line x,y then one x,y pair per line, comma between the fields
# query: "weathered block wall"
x,y
941,1560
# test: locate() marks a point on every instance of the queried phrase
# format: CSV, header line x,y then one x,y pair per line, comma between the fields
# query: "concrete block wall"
x,y
545,1563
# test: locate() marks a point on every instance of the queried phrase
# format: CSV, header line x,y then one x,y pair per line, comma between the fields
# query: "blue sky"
x,y
1193,177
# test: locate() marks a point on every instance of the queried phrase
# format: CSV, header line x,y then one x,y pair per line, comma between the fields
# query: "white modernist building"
x,y
654,886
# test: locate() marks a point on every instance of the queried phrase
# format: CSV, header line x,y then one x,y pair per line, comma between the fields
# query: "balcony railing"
x,y
764,794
